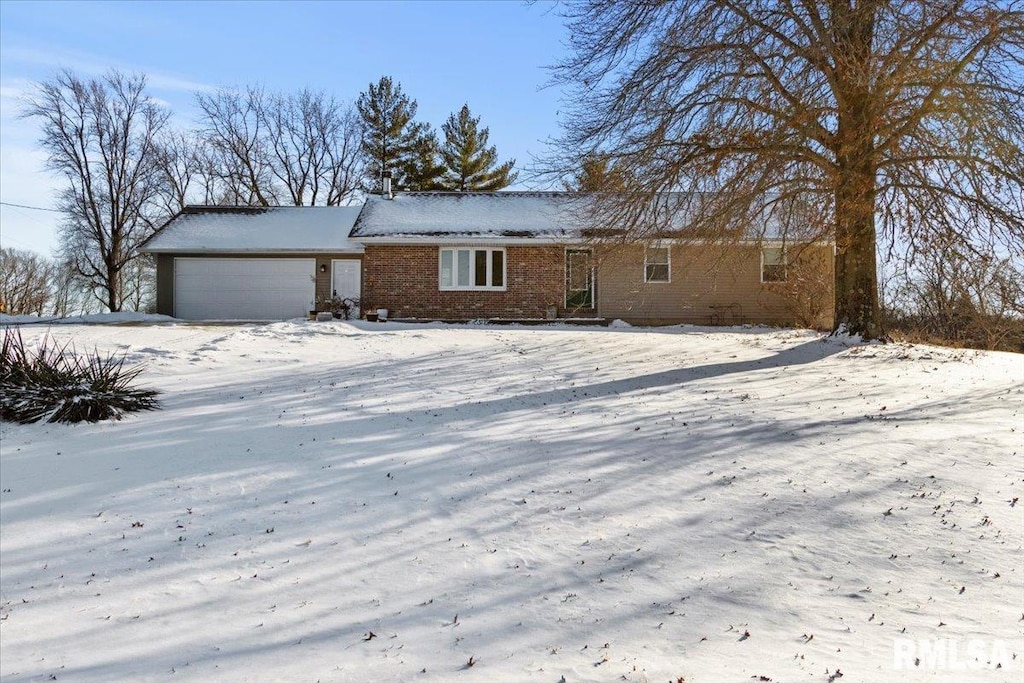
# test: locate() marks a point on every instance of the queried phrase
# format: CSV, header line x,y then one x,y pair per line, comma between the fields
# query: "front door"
x,y
346,282
579,279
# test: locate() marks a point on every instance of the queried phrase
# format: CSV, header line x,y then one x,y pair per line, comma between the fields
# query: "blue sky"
x,y
488,54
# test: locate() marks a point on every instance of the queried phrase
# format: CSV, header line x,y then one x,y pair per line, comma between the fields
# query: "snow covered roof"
x,y
488,215
222,229
409,216
521,216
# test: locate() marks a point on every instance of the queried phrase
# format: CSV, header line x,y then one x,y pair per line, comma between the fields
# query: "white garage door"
x,y
243,288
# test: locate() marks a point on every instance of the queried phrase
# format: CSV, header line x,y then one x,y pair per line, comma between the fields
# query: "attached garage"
x,y
243,288
255,263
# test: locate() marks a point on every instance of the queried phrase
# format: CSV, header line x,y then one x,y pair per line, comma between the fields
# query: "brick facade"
x,y
404,280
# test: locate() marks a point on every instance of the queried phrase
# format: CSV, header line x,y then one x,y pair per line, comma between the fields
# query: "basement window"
x,y
773,264
656,264
471,269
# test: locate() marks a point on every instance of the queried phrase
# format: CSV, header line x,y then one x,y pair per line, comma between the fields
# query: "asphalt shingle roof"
x,y
258,230
540,215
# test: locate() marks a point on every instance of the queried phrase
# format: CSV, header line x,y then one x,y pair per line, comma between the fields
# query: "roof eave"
x,y
463,239
260,250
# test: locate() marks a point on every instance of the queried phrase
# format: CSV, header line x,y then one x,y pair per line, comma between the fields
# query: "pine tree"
x,y
470,163
421,170
598,174
390,136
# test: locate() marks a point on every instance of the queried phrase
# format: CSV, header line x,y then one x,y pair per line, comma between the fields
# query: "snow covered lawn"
x,y
361,502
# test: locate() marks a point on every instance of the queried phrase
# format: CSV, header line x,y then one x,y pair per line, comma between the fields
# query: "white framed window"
x,y
579,279
656,264
471,268
773,264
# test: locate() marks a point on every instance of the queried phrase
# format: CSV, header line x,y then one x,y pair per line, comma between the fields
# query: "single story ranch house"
x,y
474,255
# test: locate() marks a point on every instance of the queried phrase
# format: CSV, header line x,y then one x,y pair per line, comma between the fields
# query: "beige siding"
x,y
324,274
716,285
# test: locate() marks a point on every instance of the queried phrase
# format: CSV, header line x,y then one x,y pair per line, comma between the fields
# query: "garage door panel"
x,y
254,289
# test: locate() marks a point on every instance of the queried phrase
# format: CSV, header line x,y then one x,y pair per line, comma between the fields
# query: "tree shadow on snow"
x,y
328,520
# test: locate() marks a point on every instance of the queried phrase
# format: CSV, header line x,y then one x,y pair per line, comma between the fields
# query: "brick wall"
x,y
404,280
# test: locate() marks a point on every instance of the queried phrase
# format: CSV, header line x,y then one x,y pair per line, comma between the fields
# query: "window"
x,y
472,269
579,279
773,264
656,264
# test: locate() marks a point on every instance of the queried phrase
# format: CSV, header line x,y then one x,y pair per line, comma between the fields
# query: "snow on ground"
x,y
94,318
360,502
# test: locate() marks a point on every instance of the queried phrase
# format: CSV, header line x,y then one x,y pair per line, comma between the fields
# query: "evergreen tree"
x,y
421,170
598,174
390,136
470,163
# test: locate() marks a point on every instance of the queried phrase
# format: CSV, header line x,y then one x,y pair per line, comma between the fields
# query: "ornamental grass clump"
x,y
54,384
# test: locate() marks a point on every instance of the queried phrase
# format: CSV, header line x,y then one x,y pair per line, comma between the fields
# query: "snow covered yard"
x,y
360,502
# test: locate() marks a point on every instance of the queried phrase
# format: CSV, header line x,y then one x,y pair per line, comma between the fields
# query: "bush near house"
x,y
340,307
54,384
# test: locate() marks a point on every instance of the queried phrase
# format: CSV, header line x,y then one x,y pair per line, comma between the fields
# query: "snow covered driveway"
x,y
360,502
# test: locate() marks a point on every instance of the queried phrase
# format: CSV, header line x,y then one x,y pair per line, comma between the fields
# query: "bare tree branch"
x,y
897,120
100,136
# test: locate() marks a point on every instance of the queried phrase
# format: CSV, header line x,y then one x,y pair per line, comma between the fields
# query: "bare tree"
x,y
189,167
952,296
274,148
315,144
140,284
345,160
70,295
900,119
24,282
235,124
100,136
31,284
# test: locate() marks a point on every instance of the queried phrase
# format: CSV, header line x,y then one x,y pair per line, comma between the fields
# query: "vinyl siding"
x,y
712,285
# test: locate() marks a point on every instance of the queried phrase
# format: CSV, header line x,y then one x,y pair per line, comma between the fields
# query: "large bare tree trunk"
x,y
856,278
856,283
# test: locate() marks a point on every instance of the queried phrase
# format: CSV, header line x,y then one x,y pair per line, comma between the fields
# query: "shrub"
x,y
54,384
341,308
951,298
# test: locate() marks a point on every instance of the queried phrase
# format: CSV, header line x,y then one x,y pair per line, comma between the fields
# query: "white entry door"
x,y
346,280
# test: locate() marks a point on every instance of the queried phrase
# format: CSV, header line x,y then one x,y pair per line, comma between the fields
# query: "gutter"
x,y
413,240
235,250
